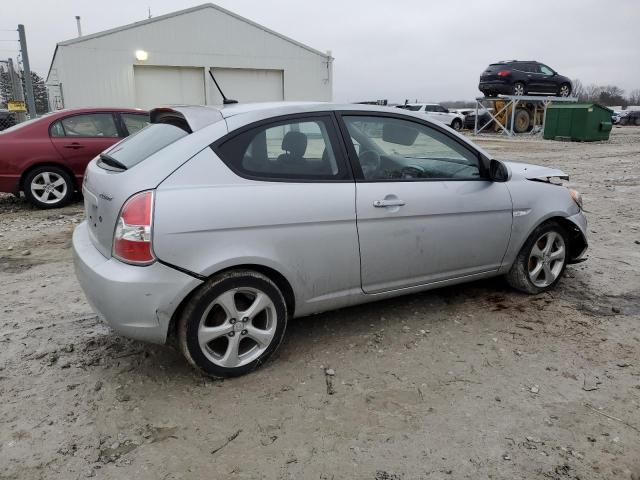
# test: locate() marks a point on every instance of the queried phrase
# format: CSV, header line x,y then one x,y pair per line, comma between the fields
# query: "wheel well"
x,y
47,164
276,277
577,242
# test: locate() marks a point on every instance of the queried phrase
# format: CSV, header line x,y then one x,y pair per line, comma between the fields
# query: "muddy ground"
x,y
474,381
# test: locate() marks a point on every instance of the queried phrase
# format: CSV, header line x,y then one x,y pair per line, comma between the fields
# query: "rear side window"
x,y
300,149
141,145
134,121
85,125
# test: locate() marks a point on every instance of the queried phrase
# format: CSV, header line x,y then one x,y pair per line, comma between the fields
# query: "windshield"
x,y
141,145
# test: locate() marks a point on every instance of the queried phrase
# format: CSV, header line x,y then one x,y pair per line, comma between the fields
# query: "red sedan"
x,y
46,157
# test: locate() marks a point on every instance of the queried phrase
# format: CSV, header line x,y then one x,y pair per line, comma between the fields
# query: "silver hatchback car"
x,y
214,226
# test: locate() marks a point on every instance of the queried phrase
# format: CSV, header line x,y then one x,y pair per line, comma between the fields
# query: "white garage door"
x,y
168,86
248,85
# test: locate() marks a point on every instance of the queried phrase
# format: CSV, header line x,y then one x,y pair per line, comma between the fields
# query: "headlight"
x,y
576,197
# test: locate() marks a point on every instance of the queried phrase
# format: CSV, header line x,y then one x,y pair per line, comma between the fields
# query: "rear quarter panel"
x,y
208,219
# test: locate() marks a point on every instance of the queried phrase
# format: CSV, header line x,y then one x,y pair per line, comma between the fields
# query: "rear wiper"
x,y
112,162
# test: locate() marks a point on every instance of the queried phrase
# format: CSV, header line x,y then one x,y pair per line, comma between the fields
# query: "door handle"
x,y
74,146
396,202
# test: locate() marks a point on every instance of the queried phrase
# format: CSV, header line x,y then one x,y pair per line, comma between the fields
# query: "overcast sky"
x,y
394,49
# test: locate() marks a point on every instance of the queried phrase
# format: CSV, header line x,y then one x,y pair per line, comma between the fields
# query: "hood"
x,y
535,172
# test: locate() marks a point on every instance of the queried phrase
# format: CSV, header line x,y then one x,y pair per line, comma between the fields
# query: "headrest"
x,y
295,143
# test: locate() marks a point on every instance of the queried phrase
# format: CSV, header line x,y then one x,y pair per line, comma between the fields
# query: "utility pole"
x,y
16,90
28,85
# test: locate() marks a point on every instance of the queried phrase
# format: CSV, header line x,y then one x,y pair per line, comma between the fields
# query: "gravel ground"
x,y
473,381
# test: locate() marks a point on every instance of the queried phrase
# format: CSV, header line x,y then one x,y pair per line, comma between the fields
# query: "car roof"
x,y
201,116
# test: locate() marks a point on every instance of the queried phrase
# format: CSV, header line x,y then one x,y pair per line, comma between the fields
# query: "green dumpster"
x,y
580,122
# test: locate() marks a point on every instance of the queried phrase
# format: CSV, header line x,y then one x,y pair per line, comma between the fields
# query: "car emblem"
x,y
105,197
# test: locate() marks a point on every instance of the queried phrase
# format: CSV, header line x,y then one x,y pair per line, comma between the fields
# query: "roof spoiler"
x,y
189,118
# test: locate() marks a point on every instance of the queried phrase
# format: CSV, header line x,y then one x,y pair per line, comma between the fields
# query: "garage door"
x,y
168,86
248,85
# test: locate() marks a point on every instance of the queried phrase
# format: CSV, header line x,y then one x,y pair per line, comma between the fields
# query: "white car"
x,y
436,113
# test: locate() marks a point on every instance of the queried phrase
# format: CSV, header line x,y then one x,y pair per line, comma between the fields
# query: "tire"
x,y
518,89
623,121
522,121
456,124
637,121
564,90
522,275
48,187
220,309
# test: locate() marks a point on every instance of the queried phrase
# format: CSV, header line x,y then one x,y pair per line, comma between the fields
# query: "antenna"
x,y
225,100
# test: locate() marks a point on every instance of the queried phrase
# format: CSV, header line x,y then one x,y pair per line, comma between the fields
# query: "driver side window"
x,y
396,149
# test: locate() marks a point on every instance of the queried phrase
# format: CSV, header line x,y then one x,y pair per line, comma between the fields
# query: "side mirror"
x,y
498,171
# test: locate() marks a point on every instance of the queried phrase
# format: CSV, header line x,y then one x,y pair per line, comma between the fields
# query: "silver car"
x,y
214,226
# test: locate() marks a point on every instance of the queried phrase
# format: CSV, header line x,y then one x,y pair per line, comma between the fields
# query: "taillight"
x,y
132,239
504,73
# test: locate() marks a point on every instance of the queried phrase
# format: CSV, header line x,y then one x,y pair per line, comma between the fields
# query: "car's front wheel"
x,y
48,187
456,124
541,261
565,90
233,324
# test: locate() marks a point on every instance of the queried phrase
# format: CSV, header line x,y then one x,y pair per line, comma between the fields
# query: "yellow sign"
x,y
16,106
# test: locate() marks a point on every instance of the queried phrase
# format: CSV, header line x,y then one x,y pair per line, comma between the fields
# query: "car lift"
x,y
511,101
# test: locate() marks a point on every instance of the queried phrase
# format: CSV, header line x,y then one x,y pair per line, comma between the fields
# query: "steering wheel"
x,y
369,162
412,171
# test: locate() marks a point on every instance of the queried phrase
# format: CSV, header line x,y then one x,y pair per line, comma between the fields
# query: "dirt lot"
x,y
474,381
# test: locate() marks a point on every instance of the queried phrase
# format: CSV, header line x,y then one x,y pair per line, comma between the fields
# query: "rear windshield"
x,y
494,67
144,143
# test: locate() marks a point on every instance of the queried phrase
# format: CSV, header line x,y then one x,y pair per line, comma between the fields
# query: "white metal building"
x,y
250,62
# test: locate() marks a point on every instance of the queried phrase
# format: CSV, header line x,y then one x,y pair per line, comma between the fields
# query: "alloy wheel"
x,y
237,327
564,91
48,187
518,89
546,259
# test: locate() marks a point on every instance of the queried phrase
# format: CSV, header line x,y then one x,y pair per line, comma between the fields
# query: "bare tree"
x,y
634,97
592,92
578,90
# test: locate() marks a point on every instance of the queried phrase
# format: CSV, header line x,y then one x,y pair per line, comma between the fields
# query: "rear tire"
x,y
518,89
456,124
542,260
233,324
637,121
48,187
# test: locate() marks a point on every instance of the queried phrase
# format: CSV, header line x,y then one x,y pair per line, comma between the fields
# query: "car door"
x,y
425,210
79,138
294,205
431,114
532,74
548,79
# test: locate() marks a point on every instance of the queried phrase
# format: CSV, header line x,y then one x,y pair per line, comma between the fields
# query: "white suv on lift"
x,y
437,113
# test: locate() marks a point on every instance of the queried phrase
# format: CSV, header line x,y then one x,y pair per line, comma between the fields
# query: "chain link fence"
x,y
7,119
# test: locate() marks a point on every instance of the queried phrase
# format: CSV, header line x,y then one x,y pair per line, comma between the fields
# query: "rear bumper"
x,y
137,302
495,86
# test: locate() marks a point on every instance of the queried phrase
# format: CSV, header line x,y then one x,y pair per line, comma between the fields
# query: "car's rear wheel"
x,y
456,124
565,90
518,89
233,324
48,187
637,121
541,261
